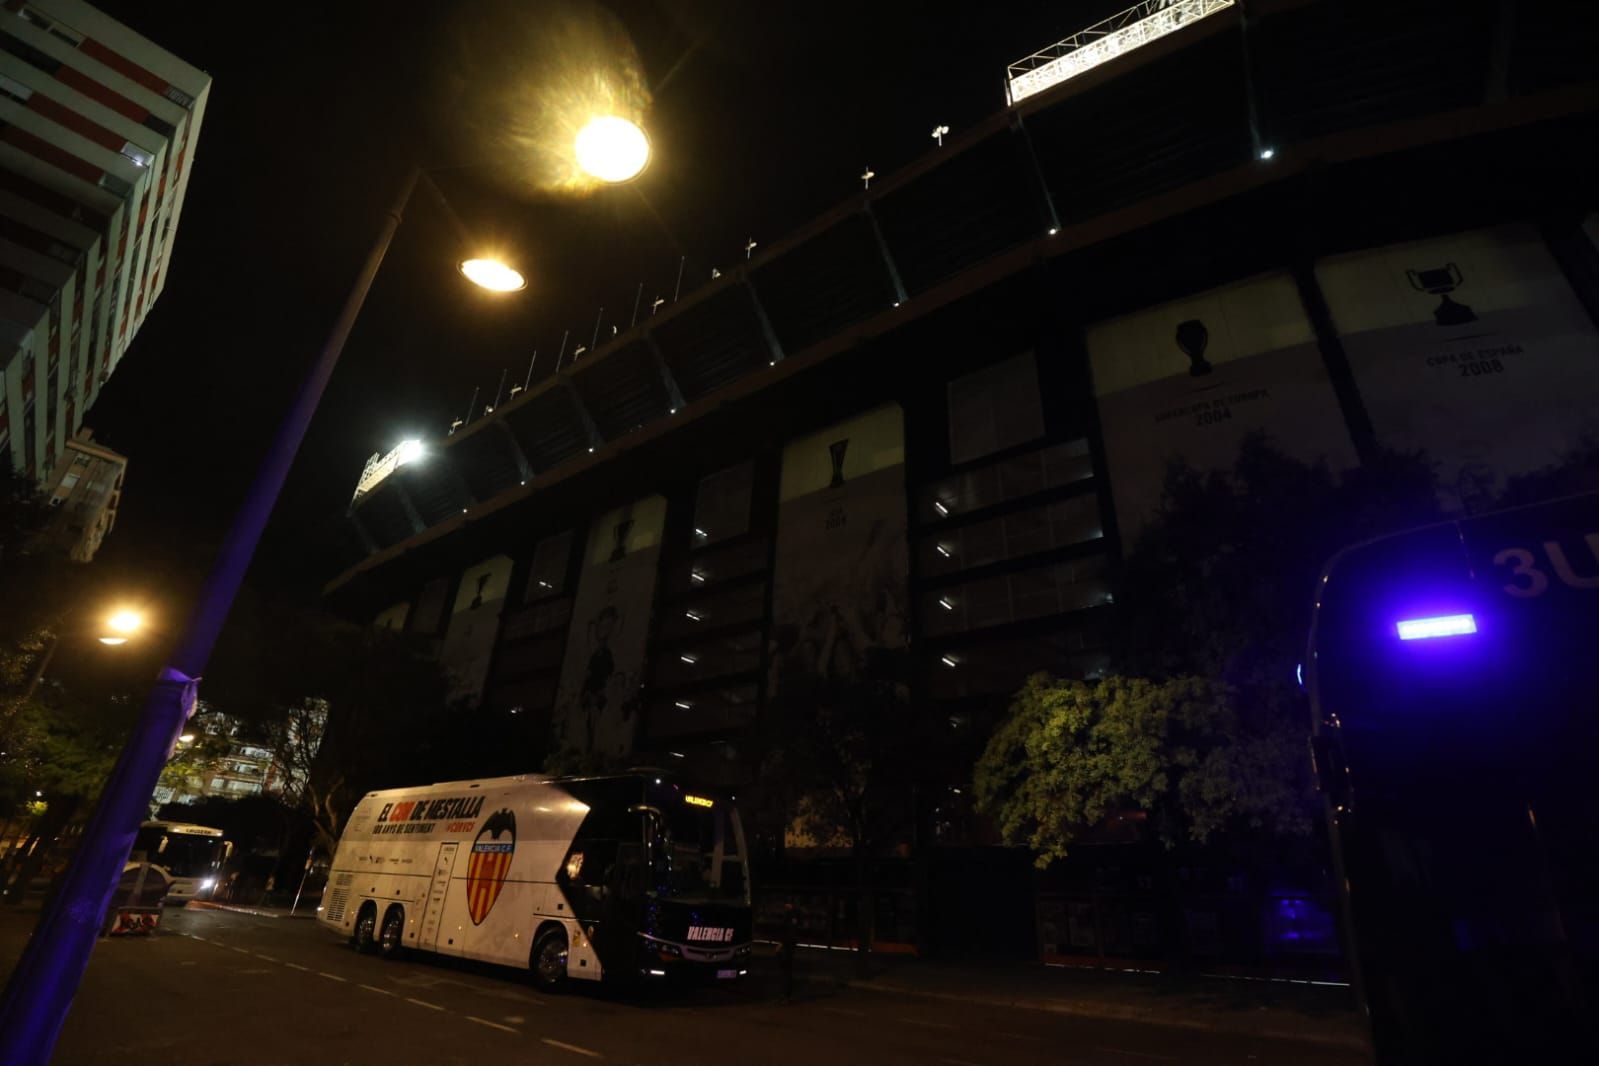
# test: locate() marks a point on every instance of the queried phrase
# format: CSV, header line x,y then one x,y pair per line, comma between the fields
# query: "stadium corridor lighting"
x,y
612,149
1103,42
409,451
493,275
1448,625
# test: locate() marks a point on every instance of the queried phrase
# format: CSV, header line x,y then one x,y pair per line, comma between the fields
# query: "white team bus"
x,y
191,855
633,875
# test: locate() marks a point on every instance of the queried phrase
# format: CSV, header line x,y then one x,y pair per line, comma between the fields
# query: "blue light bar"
x,y
1448,625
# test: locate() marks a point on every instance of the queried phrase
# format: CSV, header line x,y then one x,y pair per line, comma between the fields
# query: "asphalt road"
x,y
226,988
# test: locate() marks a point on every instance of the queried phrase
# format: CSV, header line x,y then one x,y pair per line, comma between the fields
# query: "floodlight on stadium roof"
x,y
1102,42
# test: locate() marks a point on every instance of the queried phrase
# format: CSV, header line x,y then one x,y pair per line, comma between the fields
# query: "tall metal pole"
x,y
46,978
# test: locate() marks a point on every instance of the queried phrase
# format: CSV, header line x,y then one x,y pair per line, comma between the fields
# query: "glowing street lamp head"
x,y
612,149
125,622
493,274
409,451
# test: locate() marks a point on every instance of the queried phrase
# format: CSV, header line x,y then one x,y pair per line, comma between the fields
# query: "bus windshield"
x,y
180,854
700,857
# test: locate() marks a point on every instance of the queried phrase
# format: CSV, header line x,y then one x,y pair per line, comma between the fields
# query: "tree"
x,y
1073,753
838,768
1200,721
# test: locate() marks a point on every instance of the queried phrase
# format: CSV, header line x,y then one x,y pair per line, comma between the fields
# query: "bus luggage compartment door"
x,y
438,891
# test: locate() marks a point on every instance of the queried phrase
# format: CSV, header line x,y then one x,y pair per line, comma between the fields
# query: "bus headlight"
x,y
207,884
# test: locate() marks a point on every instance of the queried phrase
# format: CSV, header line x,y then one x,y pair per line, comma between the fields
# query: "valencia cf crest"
x,y
490,862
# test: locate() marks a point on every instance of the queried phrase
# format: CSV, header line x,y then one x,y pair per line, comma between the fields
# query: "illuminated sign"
x,y
1448,625
1102,42
381,466
698,801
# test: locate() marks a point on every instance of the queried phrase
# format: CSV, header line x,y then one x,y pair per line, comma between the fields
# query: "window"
x,y
999,668
116,186
1038,529
1009,479
51,26
547,574
181,98
722,504
29,54
995,408
140,156
14,89
1034,593
69,482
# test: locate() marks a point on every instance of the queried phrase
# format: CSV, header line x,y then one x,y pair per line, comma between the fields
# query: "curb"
x,y
1118,1012
207,905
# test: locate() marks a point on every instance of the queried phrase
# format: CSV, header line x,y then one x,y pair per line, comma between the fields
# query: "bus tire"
x,y
391,938
548,961
365,935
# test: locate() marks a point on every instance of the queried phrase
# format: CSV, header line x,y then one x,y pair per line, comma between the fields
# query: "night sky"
x,y
770,112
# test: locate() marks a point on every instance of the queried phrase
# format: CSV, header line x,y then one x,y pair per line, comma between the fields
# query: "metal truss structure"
x,y
1102,42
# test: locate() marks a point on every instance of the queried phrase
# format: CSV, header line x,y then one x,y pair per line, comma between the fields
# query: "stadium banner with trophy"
x,y
1186,382
841,578
474,622
598,702
1471,348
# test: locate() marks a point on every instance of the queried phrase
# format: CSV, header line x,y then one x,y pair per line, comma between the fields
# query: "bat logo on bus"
x,y
489,863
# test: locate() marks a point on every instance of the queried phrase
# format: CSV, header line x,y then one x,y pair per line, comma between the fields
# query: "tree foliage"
x,y
1073,753
838,758
1200,721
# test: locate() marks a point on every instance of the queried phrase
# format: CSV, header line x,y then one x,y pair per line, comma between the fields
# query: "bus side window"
x,y
627,879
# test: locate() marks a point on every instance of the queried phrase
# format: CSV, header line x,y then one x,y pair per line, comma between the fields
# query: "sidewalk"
x,y
1309,1014
263,911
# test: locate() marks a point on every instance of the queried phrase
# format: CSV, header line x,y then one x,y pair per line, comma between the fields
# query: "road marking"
x,y
268,958
571,1047
491,1025
1138,1054
199,938
929,1025
241,951
844,1010
379,991
297,966
423,1003
331,976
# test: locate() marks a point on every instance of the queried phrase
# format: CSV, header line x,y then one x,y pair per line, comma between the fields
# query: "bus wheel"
x,y
549,961
366,921
389,945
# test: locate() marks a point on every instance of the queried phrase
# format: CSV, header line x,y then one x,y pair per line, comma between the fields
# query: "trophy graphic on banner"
x,y
836,452
620,532
1440,282
1192,337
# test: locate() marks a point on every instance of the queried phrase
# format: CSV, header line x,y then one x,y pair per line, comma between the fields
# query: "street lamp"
x,y
492,274
119,627
612,149
40,990
122,625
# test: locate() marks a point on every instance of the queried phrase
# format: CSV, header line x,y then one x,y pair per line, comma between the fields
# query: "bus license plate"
x,y
726,975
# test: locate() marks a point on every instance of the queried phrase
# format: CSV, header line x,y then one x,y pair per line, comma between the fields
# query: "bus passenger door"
x,y
433,911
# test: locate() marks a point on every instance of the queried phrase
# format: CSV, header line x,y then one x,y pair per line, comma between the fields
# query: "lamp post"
x,y
46,978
